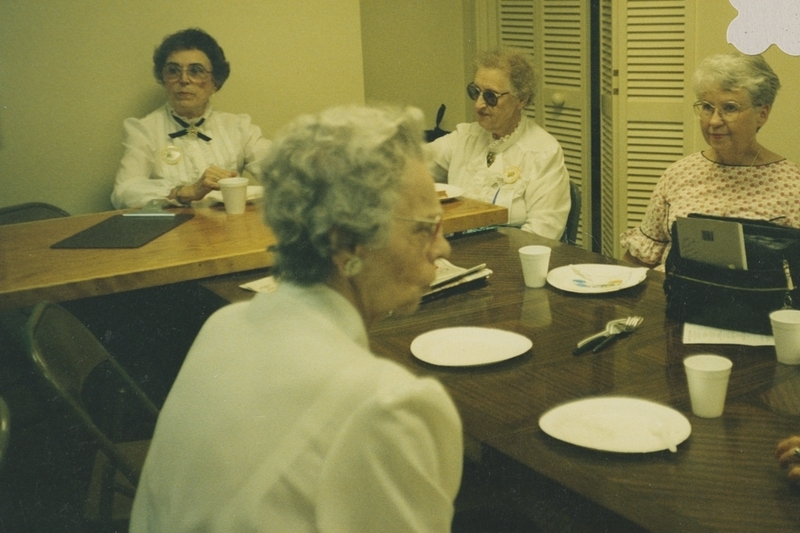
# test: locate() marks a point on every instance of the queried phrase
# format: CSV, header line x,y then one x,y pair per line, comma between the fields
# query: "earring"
x,y
353,266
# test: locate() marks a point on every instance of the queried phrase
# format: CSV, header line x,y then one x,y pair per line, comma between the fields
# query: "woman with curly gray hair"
x,y
506,158
735,176
180,151
281,415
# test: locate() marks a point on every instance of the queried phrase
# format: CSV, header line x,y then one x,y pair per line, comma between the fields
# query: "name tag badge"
x,y
511,175
171,154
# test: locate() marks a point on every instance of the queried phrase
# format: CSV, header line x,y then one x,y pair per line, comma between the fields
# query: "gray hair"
x,y
516,64
733,71
336,170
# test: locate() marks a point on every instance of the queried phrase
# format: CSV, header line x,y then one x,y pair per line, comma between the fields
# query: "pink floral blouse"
x,y
695,184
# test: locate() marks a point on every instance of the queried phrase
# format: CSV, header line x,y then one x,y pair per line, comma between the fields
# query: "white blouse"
x,y
527,174
282,420
154,163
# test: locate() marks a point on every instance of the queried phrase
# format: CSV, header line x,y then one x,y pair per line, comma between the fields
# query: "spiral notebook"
x,y
716,242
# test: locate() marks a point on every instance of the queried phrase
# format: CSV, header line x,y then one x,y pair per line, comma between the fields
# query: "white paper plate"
x,y
468,346
594,278
451,191
254,192
617,424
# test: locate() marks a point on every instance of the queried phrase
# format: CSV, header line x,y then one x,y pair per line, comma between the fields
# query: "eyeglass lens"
x,y
488,96
194,72
727,110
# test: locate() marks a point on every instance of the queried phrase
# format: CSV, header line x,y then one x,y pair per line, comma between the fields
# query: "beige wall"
x,y
414,55
780,133
72,70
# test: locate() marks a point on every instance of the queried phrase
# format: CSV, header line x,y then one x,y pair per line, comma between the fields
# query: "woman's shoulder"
x,y
224,115
471,129
150,126
234,121
785,165
391,386
687,165
537,139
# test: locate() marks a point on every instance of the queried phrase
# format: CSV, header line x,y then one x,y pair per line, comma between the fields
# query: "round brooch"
x,y
171,155
511,175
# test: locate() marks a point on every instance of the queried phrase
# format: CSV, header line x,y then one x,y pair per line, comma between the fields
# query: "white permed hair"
x,y
734,70
339,169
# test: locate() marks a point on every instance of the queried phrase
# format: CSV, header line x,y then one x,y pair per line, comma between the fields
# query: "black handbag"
x,y
739,300
436,132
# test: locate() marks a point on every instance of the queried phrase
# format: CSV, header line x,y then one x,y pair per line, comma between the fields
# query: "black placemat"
x,y
122,231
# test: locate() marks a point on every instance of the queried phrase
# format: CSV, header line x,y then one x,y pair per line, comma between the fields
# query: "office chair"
x,y
28,212
99,394
570,235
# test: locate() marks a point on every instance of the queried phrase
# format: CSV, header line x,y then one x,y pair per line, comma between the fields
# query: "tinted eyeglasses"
x,y
490,97
196,72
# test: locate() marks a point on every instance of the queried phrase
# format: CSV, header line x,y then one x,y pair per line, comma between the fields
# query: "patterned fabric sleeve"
x,y
649,242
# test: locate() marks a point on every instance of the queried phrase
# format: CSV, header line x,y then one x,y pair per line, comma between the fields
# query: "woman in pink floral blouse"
x,y
735,176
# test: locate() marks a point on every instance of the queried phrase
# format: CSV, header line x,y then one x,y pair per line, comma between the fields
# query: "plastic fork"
x,y
590,342
620,330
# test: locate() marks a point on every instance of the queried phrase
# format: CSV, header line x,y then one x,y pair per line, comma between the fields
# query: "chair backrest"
x,y
570,235
28,212
94,387
5,428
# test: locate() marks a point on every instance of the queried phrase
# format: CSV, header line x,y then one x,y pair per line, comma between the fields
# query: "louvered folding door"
x,y
555,34
647,121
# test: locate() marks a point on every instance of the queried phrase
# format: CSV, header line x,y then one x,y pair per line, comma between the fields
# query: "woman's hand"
x,y
635,260
788,454
209,180
198,190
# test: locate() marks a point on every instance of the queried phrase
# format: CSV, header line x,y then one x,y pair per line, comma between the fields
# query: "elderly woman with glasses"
x,y
179,152
735,176
281,418
506,158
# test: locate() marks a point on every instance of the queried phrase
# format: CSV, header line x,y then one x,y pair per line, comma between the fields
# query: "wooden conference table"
x,y
723,478
210,244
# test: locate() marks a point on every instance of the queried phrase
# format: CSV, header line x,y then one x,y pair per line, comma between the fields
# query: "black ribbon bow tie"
x,y
189,129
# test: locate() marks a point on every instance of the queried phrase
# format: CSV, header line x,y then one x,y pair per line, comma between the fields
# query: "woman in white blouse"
x,y
506,158
180,151
281,418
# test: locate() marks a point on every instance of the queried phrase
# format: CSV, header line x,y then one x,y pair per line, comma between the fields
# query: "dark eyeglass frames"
x,y
490,97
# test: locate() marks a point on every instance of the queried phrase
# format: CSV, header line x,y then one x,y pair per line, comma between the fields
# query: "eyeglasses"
x,y
196,72
726,110
432,226
490,97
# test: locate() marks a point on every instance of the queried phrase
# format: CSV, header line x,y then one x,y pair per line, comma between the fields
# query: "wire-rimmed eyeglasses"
x,y
432,226
490,97
726,110
196,72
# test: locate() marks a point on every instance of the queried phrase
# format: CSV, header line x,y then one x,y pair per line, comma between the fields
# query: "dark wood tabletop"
x,y
723,478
